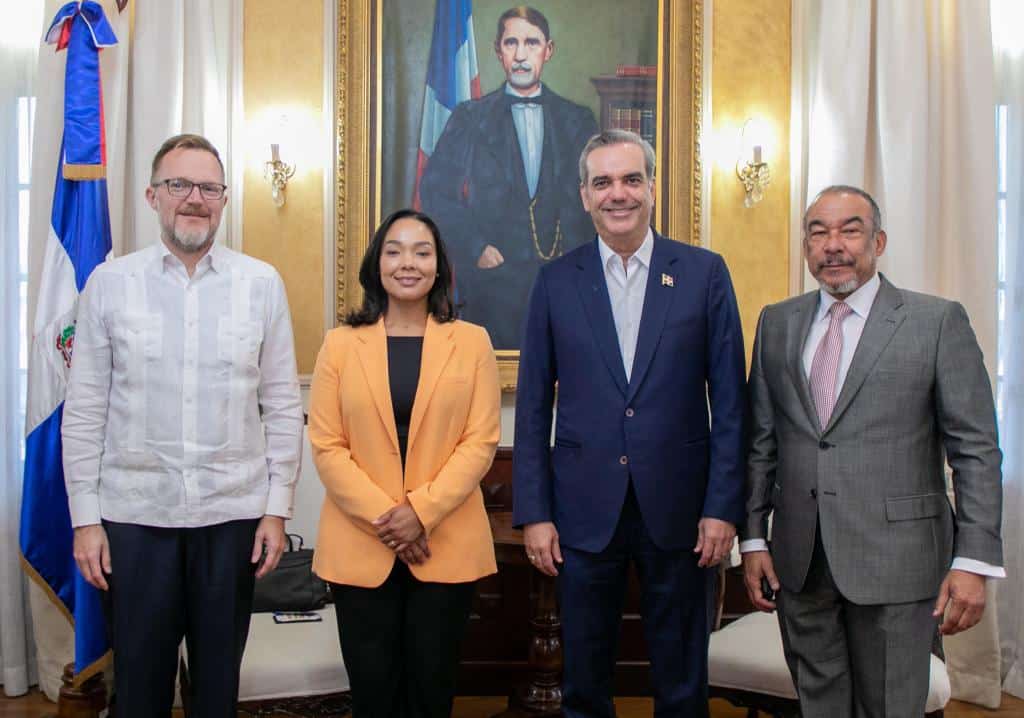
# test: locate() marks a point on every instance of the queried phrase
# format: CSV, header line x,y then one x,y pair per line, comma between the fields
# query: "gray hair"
x,y
876,213
616,137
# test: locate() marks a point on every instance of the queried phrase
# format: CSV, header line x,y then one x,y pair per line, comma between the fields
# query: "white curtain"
x,y
900,103
899,100
17,72
176,78
169,73
1009,53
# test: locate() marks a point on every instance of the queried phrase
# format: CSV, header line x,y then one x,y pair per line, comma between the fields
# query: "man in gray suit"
x,y
859,394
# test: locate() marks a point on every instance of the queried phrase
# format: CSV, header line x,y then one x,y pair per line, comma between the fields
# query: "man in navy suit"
x,y
501,183
642,337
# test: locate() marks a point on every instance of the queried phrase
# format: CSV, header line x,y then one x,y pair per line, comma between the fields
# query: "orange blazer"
x,y
453,434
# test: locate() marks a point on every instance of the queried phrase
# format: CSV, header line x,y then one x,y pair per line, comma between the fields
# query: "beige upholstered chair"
x,y
295,659
746,666
292,659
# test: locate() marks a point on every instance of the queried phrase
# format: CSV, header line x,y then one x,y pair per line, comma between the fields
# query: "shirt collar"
x,y
216,258
535,93
860,301
642,254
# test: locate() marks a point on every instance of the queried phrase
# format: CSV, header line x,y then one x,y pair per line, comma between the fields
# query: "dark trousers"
x,y
400,642
854,661
675,606
170,583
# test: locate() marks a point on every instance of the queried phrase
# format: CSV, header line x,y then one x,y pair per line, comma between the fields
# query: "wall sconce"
x,y
277,173
751,168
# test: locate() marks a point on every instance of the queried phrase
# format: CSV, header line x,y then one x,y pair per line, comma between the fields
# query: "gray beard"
x,y
191,242
846,287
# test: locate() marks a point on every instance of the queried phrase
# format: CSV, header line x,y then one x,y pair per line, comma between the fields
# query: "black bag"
x,y
292,586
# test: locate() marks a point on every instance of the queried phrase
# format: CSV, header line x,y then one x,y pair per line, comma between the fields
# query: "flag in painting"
x,y
79,239
452,76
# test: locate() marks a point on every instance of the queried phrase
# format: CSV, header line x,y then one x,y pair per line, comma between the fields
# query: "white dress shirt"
x,y
627,287
860,302
528,118
183,405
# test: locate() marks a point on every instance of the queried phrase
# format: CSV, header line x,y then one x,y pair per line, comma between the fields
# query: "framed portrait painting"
x,y
475,112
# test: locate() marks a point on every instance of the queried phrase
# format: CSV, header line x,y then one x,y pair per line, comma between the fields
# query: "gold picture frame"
x,y
358,106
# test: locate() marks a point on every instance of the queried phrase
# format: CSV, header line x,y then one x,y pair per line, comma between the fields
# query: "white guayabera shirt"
x,y
183,405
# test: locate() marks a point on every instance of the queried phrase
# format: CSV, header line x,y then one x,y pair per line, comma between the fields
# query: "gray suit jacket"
x,y
916,394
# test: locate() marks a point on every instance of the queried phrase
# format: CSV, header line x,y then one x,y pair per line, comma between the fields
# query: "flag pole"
x,y
78,239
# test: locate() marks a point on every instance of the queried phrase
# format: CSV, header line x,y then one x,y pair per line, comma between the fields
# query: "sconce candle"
x,y
277,173
752,170
754,176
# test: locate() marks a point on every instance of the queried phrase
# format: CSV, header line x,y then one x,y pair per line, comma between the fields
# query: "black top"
x,y
404,355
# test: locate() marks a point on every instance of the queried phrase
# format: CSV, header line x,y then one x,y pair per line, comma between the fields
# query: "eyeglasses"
x,y
180,188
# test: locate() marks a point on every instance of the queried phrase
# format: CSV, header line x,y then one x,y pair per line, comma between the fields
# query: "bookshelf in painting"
x,y
629,99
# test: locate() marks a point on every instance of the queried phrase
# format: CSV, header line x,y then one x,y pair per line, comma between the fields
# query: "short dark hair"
x,y
876,213
184,142
532,15
617,137
375,298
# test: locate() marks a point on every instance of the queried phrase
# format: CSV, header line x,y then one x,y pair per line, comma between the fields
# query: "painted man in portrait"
x,y
503,182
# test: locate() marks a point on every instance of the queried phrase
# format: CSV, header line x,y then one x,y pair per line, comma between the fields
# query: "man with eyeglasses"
x,y
182,436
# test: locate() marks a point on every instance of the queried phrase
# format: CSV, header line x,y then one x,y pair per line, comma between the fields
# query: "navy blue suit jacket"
x,y
656,428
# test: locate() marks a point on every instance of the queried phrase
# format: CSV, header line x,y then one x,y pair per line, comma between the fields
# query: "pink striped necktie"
x,y
825,365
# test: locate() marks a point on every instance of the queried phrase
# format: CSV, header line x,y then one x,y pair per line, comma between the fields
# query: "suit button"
x,y
824,445
814,493
623,460
630,412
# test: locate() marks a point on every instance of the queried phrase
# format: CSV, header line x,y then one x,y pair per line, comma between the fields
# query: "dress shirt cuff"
x,y
753,545
85,510
979,567
279,501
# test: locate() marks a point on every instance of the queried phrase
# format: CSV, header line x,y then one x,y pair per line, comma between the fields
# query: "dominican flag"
x,y
79,239
452,76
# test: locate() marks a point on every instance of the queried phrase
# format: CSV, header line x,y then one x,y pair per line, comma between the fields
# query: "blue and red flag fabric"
x,y
452,76
79,240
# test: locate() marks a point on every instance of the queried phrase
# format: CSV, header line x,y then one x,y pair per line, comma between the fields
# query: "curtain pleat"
x,y
1010,92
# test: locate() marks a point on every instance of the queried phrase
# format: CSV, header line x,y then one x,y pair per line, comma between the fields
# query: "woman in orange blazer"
x,y
404,421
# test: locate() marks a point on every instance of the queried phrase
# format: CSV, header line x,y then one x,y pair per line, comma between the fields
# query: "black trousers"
x,y
400,642
170,583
